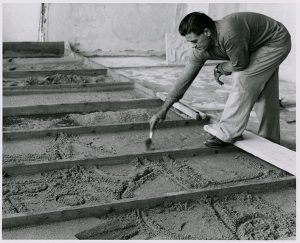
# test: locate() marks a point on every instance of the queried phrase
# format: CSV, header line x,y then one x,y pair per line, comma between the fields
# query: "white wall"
x,y
21,22
112,27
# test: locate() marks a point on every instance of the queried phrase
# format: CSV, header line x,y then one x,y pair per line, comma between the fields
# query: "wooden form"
x,y
107,128
123,205
70,88
33,49
266,150
41,166
81,107
32,73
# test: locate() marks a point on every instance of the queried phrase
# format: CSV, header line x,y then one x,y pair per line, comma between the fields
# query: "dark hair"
x,y
195,22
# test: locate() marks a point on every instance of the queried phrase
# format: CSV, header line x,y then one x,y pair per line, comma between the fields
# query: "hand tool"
x,y
149,142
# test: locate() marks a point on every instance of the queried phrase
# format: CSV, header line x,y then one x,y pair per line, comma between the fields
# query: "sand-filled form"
x,y
66,146
54,79
65,98
140,178
236,217
14,66
81,119
50,190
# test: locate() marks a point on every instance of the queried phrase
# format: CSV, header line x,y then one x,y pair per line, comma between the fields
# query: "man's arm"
x,y
182,84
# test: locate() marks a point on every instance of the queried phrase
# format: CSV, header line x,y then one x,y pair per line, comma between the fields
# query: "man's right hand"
x,y
157,118
217,75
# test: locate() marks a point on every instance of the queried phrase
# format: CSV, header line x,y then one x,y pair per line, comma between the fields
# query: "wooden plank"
x,y
62,88
266,150
147,92
34,73
81,107
107,128
123,205
185,108
33,49
41,166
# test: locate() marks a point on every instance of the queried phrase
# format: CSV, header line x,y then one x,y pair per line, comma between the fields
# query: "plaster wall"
x,y
20,22
112,27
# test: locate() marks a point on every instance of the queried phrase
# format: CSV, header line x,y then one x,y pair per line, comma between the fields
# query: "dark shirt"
x,y
236,36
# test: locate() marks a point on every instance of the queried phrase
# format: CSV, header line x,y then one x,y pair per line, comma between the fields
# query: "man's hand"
x,y
219,71
217,75
157,118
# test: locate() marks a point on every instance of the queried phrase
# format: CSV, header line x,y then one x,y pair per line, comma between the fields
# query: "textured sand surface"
x,y
65,146
80,119
63,98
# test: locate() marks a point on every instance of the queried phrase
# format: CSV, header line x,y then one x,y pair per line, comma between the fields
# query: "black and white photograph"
x,y
149,120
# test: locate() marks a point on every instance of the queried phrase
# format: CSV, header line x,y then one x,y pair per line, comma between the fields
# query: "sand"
x,y
54,79
43,66
64,98
81,119
138,179
65,146
236,217
253,218
51,190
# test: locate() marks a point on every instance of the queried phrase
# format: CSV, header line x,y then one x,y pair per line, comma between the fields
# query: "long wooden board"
x,y
107,128
32,73
63,88
97,210
33,49
184,108
181,106
40,166
266,150
81,107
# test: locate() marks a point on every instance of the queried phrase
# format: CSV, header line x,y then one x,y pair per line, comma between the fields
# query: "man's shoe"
x,y
214,142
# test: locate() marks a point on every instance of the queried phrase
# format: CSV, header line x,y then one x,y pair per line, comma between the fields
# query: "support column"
x,y
43,22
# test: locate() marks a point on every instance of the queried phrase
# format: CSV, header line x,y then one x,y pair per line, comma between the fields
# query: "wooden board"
x,y
266,150
81,107
32,73
98,210
184,108
181,106
41,166
33,49
20,134
70,88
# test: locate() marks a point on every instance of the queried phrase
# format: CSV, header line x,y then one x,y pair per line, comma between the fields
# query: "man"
x,y
254,46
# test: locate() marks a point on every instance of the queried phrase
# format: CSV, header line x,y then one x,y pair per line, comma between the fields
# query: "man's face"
x,y
200,42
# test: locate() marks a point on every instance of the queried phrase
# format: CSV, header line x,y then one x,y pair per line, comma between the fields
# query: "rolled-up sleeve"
x,y
191,70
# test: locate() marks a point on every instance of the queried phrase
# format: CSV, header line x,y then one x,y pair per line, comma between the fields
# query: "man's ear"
x,y
207,32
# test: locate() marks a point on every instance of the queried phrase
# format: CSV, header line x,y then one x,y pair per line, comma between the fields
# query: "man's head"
x,y
197,28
